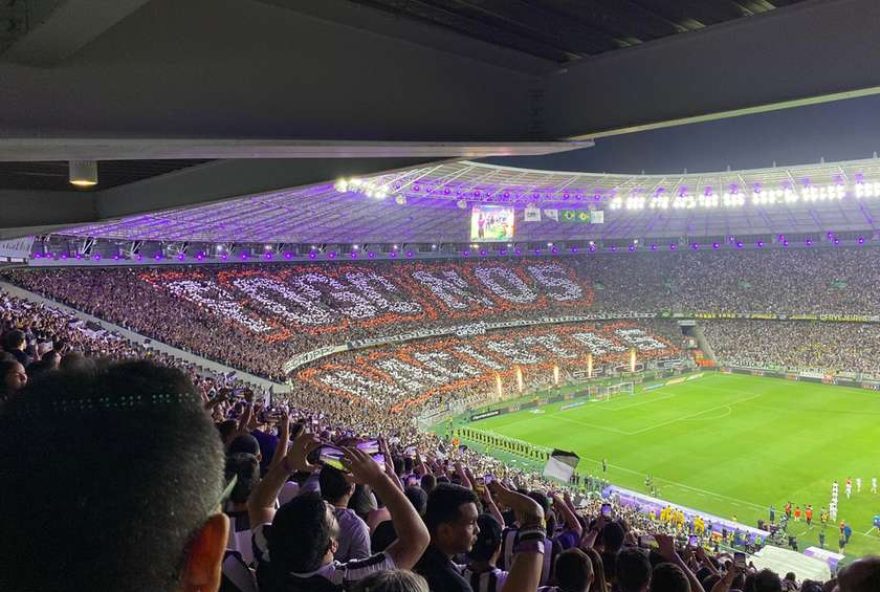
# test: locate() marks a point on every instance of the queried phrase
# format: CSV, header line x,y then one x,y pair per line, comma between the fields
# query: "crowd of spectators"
x,y
37,338
218,312
822,347
228,494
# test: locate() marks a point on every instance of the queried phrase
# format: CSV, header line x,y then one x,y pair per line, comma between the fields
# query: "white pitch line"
x,y
692,415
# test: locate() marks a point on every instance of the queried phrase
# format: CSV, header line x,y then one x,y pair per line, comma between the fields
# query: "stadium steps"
x,y
137,338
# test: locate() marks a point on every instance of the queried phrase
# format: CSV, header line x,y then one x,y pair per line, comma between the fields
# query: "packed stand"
x,y
278,499
827,348
218,312
37,339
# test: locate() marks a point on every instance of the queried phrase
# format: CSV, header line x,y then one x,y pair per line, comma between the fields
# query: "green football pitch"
x,y
728,445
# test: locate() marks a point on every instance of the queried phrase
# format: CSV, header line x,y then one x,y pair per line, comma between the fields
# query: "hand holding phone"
x,y
739,560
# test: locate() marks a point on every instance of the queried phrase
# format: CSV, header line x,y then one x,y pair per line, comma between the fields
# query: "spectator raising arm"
x,y
261,503
667,549
528,559
412,534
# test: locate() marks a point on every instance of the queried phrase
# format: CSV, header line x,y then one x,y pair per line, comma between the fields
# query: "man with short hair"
x,y
632,570
573,572
354,535
668,577
451,517
127,475
862,575
767,580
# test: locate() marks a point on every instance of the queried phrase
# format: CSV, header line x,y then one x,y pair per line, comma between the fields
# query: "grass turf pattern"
x,y
729,445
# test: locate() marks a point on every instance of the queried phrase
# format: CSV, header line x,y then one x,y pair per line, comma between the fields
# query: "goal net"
x,y
605,393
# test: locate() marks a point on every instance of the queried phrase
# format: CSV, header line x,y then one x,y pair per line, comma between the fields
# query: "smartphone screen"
x,y
332,457
739,560
606,510
647,541
370,446
693,541
487,479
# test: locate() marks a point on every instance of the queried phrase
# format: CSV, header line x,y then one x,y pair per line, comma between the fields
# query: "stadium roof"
x,y
433,204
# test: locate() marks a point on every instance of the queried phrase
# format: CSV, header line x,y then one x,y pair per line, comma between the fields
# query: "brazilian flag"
x,y
582,216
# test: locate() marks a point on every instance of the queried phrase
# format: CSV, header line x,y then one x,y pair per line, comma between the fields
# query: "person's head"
x,y
668,577
451,518
14,376
396,580
246,444
76,362
612,537
14,340
861,575
227,430
246,468
633,570
429,482
488,544
767,581
303,535
418,498
335,488
574,571
127,471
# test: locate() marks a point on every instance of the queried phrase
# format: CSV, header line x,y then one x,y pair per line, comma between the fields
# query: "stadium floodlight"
x,y
83,173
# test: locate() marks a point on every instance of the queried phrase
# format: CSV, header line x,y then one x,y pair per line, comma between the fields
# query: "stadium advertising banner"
x,y
769,316
492,223
487,414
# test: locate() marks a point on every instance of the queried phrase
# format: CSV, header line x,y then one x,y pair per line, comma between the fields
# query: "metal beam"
x,y
42,149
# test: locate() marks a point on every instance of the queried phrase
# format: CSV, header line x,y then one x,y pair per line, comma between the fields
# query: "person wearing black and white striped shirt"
x,y
481,572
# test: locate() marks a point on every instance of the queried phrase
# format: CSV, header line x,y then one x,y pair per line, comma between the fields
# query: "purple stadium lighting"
x,y
224,256
574,250
861,240
554,250
760,244
244,255
158,256
371,254
64,255
312,255
139,257
537,251
672,246
502,251
116,257
785,243
409,254
288,255
836,241
332,255
695,247
653,247
632,248
809,242
613,248
716,246
466,253
79,256
483,252
353,255
200,256
97,257
181,257
739,244
517,251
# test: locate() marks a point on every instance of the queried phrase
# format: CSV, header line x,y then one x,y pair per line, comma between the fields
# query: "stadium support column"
x,y
590,366
632,360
